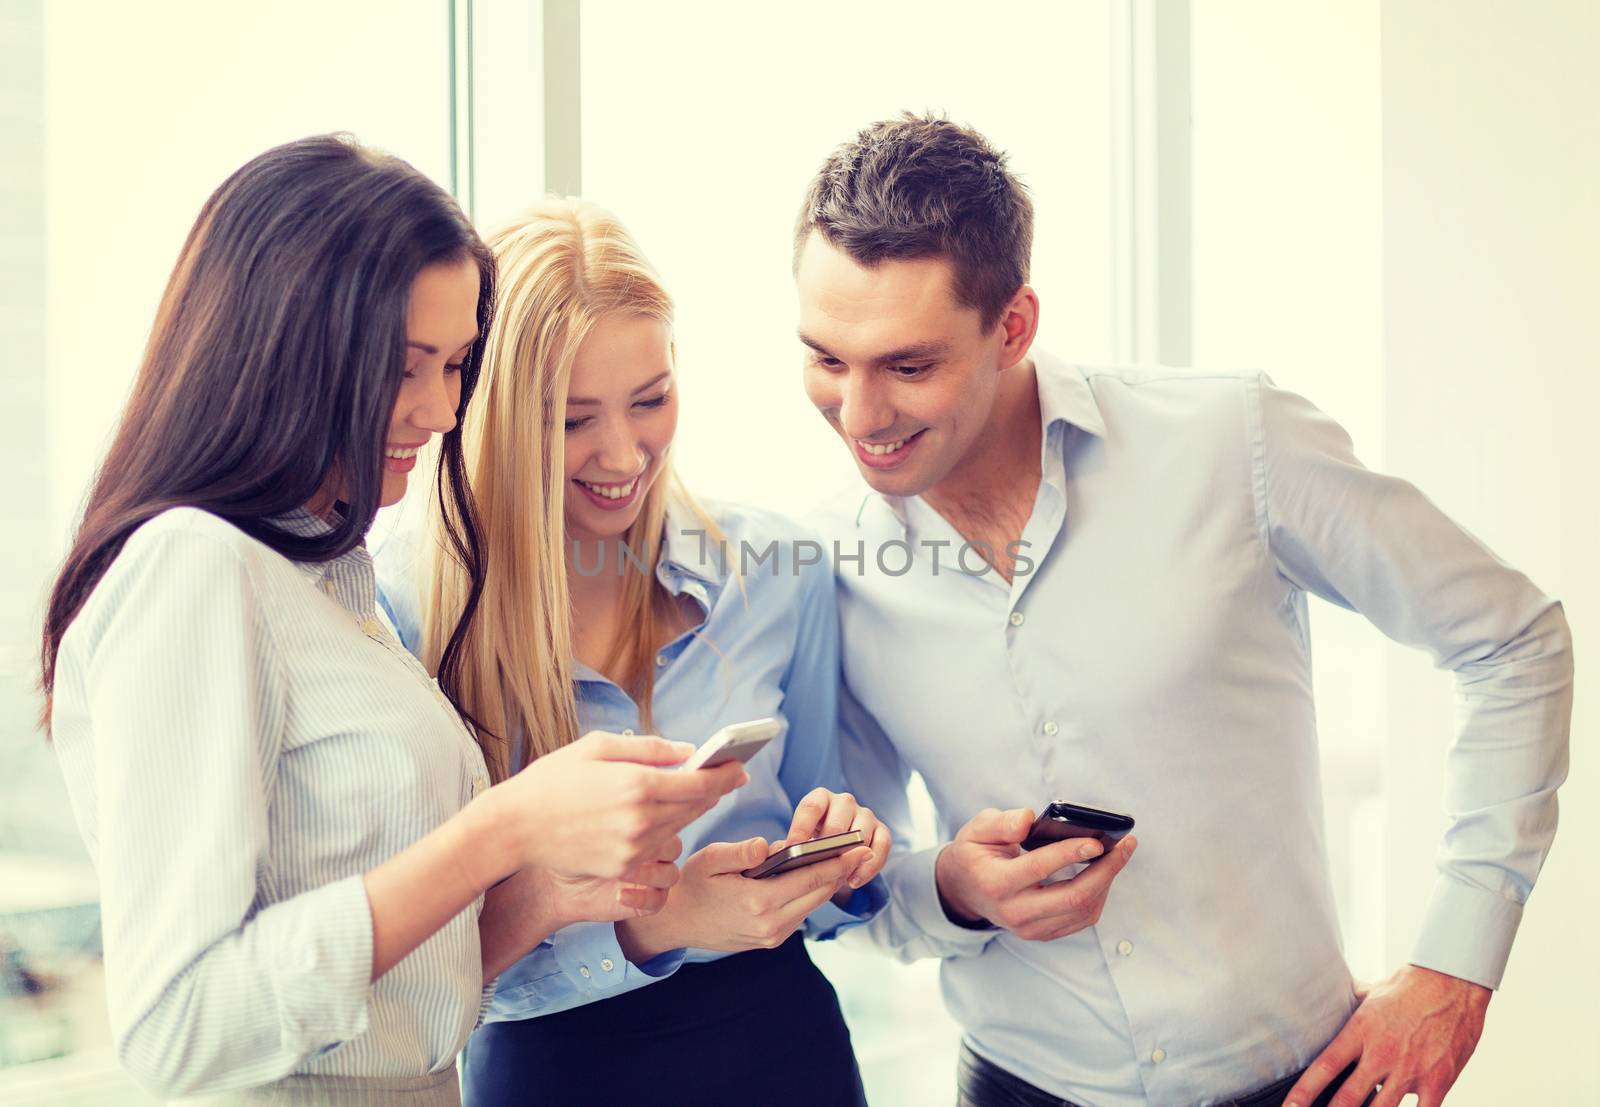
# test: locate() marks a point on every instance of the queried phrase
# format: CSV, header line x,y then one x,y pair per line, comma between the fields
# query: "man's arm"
x,y
1376,545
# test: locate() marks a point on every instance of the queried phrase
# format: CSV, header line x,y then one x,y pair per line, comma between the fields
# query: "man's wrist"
x,y
1474,991
952,907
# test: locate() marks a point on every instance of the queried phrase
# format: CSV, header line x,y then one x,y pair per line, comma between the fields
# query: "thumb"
x,y
731,857
996,827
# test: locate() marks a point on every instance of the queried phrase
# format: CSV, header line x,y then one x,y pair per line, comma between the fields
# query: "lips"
x,y
886,455
400,459
610,495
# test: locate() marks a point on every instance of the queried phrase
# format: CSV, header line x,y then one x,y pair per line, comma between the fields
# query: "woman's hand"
x,y
715,908
822,813
606,806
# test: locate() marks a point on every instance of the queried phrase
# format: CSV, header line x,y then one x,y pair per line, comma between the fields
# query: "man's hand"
x,y
1413,1033
984,874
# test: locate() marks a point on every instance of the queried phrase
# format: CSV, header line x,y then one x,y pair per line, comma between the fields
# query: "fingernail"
x,y
683,747
1090,849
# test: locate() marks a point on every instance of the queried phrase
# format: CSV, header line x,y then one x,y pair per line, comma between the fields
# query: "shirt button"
x,y
371,626
1051,729
661,660
607,964
1016,618
1125,947
628,733
1158,1056
583,971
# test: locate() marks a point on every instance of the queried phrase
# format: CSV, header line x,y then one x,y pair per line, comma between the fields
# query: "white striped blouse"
x,y
242,738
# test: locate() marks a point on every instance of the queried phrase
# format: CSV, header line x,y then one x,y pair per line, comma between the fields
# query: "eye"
x,y
826,362
908,371
659,401
577,424
454,367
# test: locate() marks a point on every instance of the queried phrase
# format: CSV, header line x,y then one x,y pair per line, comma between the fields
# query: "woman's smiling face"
x,y
622,411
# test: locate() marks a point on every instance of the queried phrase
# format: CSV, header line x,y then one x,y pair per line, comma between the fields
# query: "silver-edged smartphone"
x,y
737,742
802,854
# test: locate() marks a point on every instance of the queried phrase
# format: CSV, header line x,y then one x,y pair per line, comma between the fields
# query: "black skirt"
x,y
761,1027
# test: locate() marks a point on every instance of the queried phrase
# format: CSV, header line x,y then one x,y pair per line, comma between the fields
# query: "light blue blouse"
x,y
767,644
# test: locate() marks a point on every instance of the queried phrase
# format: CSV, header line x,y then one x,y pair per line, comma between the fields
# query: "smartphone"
x,y
738,742
1071,820
802,854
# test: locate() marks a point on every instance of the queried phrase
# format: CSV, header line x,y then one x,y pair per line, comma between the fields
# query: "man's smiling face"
x,y
897,365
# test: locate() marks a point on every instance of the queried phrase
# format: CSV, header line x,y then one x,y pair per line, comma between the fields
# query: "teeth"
x,y
611,491
400,454
879,451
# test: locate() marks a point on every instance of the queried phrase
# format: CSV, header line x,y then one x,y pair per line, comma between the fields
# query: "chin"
x,y
391,493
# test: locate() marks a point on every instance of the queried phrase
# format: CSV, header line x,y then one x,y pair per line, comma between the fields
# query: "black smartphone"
x,y
805,853
1071,820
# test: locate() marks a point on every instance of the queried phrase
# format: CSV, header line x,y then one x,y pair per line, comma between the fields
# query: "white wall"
x,y
149,108
1492,343
704,123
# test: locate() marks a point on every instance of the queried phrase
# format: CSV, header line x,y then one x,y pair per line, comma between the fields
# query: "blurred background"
x,y
1388,205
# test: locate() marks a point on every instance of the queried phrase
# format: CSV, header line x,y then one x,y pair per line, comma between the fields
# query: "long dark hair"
x,y
277,353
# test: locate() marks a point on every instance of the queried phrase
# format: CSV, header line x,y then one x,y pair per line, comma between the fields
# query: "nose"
x,y
864,407
436,407
619,451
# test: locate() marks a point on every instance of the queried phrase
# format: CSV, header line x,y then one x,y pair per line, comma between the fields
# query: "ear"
x,y
1019,322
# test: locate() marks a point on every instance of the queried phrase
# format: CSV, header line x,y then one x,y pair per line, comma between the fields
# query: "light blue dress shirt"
x,y
767,644
1156,661
242,739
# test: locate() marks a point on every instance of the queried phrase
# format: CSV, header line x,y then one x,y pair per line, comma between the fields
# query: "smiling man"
x,y
1098,595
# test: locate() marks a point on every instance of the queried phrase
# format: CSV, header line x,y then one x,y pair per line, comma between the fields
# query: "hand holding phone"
x,y
714,906
984,879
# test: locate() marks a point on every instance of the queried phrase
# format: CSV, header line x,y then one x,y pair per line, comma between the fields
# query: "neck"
x,y
1006,453
592,573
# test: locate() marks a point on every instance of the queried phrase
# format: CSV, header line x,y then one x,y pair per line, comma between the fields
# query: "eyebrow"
x,y
433,350
584,401
917,351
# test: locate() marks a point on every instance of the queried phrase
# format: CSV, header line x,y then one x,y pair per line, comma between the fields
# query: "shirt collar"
x,y
1065,395
350,579
688,552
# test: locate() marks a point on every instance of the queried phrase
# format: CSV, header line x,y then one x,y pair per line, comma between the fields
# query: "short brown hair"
x,y
921,186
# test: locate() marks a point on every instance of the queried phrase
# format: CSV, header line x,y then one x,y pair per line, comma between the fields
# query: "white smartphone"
x,y
738,742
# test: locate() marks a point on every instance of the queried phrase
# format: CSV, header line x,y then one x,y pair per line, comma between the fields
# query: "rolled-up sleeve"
x,y
1376,545
187,700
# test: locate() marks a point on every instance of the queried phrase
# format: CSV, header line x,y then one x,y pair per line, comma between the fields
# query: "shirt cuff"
x,y
830,920
1467,932
916,892
595,965
319,949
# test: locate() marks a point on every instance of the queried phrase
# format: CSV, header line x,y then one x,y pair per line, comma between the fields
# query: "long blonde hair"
x,y
563,266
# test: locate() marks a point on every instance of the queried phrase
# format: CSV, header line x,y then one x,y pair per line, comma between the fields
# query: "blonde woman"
x,y
610,602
